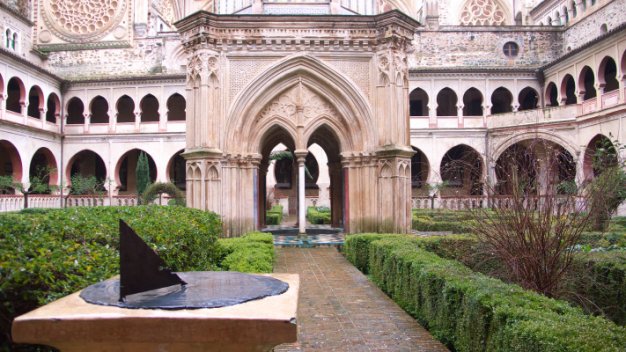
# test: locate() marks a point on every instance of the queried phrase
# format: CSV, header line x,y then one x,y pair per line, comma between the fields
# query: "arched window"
x,y
53,108
607,74
99,110
16,93
125,109
35,102
176,105
557,19
418,102
419,169
149,108
446,102
472,103
552,95
574,11
501,100
8,38
568,90
528,99
566,14
14,41
461,170
75,110
587,81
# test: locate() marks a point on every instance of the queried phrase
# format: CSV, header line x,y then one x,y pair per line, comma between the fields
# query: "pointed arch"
x,y
354,116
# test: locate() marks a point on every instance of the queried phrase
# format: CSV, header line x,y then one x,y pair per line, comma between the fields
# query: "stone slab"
x,y
71,324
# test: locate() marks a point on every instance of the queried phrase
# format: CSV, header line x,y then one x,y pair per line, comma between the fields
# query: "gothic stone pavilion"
x,y
377,97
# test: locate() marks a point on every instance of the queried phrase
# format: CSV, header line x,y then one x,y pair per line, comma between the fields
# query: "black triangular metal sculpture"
x,y
141,269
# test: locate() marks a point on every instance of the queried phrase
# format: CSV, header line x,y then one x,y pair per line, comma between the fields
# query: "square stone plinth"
x,y
71,324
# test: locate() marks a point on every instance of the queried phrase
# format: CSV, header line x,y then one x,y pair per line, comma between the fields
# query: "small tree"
x,y
142,172
532,234
608,188
82,185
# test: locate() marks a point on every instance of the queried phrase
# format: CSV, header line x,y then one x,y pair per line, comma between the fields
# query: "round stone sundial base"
x,y
204,289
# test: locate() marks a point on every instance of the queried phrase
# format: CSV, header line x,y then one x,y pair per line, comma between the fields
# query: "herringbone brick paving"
x,y
341,310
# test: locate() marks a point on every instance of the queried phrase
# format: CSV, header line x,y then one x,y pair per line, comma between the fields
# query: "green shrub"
x,y
252,253
45,255
599,278
318,215
274,216
472,312
442,220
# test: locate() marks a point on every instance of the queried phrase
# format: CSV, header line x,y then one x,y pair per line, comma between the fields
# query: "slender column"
x,y
301,198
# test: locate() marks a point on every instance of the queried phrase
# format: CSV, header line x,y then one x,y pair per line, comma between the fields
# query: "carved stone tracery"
x,y
83,20
287,104
203,64
482,13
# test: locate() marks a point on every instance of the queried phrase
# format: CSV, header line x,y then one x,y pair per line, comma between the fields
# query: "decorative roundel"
x,y
83,20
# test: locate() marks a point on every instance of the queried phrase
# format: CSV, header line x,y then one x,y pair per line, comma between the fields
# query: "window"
x,y
8,36
510,49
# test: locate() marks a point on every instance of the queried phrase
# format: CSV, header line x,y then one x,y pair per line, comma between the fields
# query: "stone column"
x,y
459,114
301,194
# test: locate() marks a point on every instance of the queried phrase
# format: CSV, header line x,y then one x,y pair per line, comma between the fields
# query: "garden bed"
x,y
470,311
49,253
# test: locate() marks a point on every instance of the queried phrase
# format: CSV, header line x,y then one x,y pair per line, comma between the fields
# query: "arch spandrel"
x,y
346,107
550,137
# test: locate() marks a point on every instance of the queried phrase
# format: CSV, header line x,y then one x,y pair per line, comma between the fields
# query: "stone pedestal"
x,y
71,324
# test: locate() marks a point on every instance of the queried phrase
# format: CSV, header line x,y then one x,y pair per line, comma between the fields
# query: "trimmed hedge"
x,y
442,220
318,215
253,253
472,312
47,254
274,216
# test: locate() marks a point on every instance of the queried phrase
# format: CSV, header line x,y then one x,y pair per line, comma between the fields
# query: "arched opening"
x,y
572,5
125,109
462,172
7,34
566,15
126,175
446,102
557,19
177,170
600,154
10,163
149,109
14,42
324,142
420,168
608,74
418,102
277,188
176,106
501,100
552,95
53,108
35,102
15,95
43,173
99,108
568,90
587,81
472,102
75,112
549,21
85,167
535,167
528,99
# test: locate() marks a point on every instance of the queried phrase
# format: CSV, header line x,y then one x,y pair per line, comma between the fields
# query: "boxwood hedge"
x,y
47,254
472,312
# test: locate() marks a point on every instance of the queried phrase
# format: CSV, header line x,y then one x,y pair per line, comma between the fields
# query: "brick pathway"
x,y
341,310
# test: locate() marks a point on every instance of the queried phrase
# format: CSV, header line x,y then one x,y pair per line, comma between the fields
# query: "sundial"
x,y
145,283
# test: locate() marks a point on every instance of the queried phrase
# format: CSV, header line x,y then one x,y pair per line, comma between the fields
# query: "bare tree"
x,y
537,215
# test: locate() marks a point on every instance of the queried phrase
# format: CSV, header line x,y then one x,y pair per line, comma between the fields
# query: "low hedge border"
x,y
274,216
472,312
251,253
318,216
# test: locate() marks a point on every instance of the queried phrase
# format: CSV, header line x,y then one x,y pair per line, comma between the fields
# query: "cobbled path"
x,y
341,310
